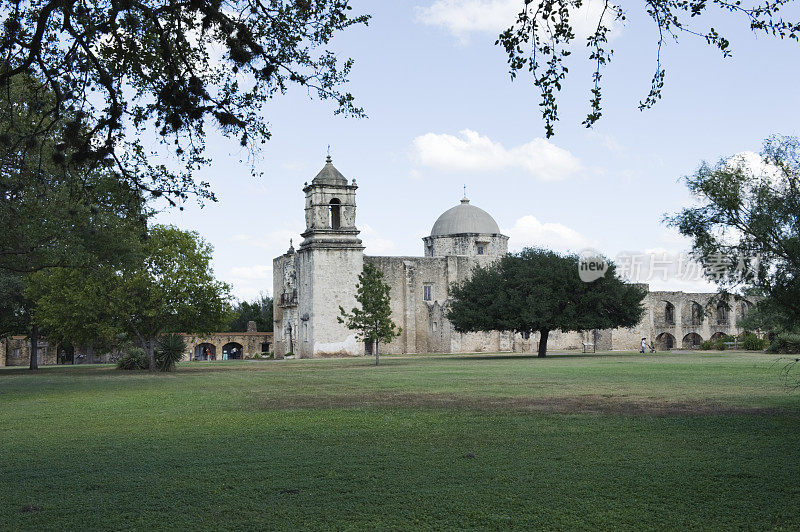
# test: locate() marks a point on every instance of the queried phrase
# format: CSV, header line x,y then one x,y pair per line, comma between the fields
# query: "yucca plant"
x,y
170,350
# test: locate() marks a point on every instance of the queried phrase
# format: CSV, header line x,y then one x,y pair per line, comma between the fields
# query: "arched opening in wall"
x,y
205,351
744,308
722,313
692,341
717,335
665,341
232,351
335,218
669,313
65,354
697,314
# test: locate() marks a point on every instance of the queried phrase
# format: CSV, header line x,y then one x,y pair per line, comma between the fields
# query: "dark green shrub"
x,y
719,343
133,358
751,342
170,350
785,343
708,345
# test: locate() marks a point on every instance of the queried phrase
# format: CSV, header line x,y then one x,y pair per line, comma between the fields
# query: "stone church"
x,y
310,283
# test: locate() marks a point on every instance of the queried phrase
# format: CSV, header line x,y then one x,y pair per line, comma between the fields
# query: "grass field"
x,y
613,440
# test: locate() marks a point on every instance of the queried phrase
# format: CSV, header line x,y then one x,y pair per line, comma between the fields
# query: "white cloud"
x,y
463,17
257,271
374,243
248,282
609,142
530,232
276,241
755,164
471,151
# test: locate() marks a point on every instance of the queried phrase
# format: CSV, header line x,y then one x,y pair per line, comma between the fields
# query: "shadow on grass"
x,y
550,356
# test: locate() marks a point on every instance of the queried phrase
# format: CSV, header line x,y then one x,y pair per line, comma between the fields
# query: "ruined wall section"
x,y
253,343
16,351
284,303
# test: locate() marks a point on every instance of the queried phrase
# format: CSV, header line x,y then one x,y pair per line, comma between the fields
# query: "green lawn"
x,y
613,440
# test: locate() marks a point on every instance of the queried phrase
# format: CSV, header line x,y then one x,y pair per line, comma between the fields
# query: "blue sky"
x,y
443,113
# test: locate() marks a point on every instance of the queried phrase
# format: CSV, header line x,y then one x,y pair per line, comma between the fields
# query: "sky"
x,y
443,113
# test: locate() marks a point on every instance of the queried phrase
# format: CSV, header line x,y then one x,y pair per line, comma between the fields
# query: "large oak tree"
x,y
538,290
172,290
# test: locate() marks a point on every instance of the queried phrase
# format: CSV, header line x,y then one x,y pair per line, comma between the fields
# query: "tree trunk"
x,y
543,334
150,348
376,352
34,362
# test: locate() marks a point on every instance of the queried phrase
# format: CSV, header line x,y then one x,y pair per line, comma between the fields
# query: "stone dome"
x,y
465,218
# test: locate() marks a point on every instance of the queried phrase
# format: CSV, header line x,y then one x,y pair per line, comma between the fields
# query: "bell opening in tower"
x,y
335,218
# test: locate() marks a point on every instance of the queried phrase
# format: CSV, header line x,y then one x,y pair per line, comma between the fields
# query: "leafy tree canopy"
x,y
14,312
373,321
259,311
543,36
745,229
541,290
118,69
52,214
172,290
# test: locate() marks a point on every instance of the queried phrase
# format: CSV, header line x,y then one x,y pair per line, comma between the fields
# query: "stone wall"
x,y
16,351
466,245
682,329
425,328
247,344
284,288
326,280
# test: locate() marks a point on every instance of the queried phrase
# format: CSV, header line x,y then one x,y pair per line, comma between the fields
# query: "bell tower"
x,y
330,211
328,263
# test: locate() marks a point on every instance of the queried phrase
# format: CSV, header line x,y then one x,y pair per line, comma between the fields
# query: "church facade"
x,y
310,283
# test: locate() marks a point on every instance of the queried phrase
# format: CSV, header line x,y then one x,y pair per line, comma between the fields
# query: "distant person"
x,y
644,345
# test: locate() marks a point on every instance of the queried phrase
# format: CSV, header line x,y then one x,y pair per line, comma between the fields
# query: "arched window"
x,y
697,313
744,309
335,220
722,313
669,314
